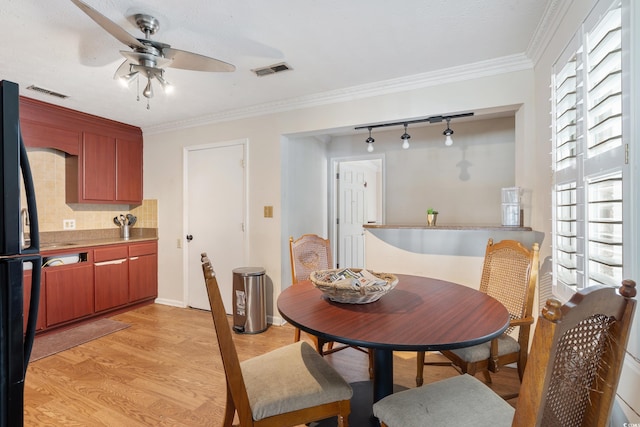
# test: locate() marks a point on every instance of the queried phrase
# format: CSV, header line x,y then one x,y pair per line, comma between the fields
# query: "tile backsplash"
x,y
48,169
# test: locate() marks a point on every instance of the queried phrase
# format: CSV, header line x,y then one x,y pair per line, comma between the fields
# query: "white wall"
x,y
463,182
304,192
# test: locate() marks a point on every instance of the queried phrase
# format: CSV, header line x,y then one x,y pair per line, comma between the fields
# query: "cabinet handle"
x,y
133,258
118,261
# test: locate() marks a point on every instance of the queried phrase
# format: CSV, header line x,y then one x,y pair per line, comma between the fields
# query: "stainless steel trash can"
x,y
249,300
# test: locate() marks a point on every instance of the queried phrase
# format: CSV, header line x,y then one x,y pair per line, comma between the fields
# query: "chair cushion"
x,y
476,353
458,401
291,378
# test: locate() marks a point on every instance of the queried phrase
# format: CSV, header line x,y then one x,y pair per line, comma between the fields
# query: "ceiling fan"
x,y
149,58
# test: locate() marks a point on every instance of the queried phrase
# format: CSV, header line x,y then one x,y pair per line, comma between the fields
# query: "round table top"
x,y
420,313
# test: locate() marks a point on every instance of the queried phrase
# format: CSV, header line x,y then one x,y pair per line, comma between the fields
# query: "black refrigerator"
x,y
17,252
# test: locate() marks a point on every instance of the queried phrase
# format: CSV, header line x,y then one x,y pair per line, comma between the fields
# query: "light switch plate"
x,y
268,211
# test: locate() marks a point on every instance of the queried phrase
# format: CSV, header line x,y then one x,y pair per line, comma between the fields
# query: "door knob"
x,y
189,237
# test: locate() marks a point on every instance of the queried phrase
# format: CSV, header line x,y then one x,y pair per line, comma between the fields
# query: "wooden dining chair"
x,y
571,379
309,253
289,386
509,274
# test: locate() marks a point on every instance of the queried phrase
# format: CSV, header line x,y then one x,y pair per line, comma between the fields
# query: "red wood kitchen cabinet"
x,y
111,275
69,292
108,170
143,271
41,323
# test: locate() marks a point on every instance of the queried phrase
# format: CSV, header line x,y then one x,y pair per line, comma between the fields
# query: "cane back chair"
x,y
571,378
509,274
307,254
289,386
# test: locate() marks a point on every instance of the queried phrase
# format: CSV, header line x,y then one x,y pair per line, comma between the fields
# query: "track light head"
x,y
448,141
370,142
405,138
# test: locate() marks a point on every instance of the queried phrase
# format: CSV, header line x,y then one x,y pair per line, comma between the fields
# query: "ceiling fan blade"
x,y
196,62
111,27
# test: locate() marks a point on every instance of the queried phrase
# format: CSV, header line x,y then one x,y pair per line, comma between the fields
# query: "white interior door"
x,y
352,206
215,218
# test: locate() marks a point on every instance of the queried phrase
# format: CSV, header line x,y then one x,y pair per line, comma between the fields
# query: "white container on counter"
x,y
511,206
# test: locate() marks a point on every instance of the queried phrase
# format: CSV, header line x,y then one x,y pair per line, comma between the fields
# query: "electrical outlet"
x,y
68,224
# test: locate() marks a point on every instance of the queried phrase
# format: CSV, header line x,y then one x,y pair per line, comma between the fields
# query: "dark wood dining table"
x,y
419,314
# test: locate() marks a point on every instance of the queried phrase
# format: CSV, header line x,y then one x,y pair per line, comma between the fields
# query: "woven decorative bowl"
x,y
347,293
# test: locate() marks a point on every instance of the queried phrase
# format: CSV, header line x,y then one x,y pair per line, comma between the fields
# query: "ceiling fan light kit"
x,y
149,58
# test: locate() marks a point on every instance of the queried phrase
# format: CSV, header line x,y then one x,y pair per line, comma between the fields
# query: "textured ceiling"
x,y
331,45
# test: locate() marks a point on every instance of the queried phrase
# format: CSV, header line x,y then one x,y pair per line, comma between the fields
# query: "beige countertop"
x,y
67,240
448,227
79,244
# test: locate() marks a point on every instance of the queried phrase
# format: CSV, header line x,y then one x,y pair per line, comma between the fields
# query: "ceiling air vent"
x,y
47,92
271,69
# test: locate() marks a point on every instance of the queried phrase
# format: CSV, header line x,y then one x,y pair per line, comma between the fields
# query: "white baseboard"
x,y
173,303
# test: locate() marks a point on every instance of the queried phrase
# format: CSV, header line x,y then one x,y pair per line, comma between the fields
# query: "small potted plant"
x,y
432,216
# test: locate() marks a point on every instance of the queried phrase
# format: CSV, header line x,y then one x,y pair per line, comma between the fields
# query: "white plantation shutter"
x,y
589,155
566,237
604,208
604,84
565,115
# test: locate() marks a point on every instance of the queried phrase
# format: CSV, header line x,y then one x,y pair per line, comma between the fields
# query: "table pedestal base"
x,y
361,404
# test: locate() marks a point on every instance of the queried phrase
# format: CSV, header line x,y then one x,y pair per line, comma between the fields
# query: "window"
x,y
590,154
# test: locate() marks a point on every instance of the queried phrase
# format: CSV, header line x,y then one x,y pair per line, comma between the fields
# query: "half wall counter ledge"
x,y
449,252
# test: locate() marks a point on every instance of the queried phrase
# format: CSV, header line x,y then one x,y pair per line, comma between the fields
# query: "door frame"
x,y
333,194
182,242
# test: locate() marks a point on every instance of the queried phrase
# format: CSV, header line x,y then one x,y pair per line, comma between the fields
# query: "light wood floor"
x,y
165,370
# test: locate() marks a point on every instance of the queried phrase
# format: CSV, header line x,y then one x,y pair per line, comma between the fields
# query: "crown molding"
x,y
554,11
502,65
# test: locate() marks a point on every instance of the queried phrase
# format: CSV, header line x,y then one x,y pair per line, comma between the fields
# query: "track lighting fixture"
x,y
448,141
370,142
405,138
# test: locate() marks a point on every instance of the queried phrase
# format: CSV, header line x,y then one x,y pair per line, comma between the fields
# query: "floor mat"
x,y
56,342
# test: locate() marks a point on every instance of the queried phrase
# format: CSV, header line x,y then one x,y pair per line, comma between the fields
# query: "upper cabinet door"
x,y
108,170
128,170
98,167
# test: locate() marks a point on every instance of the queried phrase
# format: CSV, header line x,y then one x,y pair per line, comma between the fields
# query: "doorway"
x,y
215,212
358,199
